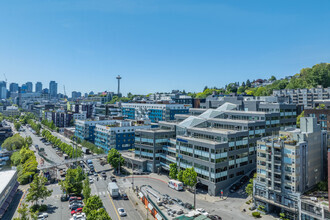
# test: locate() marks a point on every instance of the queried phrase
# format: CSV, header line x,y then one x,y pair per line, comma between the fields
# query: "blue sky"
x,y
158,45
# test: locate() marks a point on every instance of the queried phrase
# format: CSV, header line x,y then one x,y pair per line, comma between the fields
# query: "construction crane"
x,y
64,93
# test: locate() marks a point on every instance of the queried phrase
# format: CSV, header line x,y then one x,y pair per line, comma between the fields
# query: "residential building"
x,y
4,158
39,87
60,118
288,165
79,116
111,110
118,134
8,188
53,89
11,111
304,97
85,129
5,132
154,112
13,87
3,90
29,87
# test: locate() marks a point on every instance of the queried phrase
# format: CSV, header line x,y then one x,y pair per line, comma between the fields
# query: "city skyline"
x,y
185,45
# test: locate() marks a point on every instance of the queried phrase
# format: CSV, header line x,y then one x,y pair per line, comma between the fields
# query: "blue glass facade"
x,y
120,141
177,111
129,113
156,115
85,132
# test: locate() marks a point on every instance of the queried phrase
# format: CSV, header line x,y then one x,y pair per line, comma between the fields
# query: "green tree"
x,y
180,176
38,189
272,78
13,143
189,177
34,215
248,83
93,203
73,181
302,114
115,159
23,212
17,125
16,158
100,214
173,171
86,189
249,186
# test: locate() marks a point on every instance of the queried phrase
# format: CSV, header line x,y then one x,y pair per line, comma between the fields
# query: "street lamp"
x,y
132,172
198,181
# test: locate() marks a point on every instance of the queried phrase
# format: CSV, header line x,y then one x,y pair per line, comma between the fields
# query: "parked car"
x,y
73,198
188,205
122,212
76,206
64,198
91,180
43,215
78,210
95,174
215,217
104,175
202,211
234,188
124,196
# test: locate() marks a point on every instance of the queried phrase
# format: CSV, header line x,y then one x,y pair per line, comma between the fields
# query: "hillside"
x,y
319,74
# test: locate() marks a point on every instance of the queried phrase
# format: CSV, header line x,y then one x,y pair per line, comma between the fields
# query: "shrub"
x,y
256,214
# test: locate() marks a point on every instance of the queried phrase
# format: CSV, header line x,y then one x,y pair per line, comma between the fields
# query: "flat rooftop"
x,y
5,177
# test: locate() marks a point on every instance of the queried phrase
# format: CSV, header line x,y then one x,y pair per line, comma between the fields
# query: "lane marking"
x,y
114,206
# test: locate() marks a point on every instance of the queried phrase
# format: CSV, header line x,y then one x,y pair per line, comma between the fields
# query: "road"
x,y
58,208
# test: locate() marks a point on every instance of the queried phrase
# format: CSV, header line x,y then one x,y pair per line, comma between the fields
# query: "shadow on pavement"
x,y
13,206
51,209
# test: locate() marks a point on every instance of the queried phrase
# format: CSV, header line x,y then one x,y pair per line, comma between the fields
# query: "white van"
x,y
174,184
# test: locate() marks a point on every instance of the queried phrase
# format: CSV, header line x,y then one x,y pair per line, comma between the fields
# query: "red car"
x,y
72,198
78,210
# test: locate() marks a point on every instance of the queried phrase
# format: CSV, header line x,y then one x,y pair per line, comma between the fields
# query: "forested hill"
x,y
319,74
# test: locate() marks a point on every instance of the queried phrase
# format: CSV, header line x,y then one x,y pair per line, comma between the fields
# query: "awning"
x,y
141,195
158,216
150,206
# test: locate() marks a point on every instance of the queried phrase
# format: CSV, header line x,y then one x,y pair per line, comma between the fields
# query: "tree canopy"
x,y
38,189
189,177
173,171
115,159
73,181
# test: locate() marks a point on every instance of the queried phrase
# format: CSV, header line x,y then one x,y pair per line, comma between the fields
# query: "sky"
x,y
158,45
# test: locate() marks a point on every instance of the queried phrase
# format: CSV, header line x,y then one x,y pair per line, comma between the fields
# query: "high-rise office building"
x,y
53,89
3,90
29,86
13,87
24,88
38,87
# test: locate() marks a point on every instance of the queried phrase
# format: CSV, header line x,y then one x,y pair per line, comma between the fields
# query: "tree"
x,y
115,159
38,189
17,125
23,212
189,177
16,158
100,214
272,78
93,203
298,118
248,83
180,176
173,171
13,143
249,187
205,88
73,181
86,189
34,215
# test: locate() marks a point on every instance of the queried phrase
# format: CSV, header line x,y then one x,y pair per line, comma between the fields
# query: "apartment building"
x,y
154,112
85,129
288,165
304,97
60,118
118,134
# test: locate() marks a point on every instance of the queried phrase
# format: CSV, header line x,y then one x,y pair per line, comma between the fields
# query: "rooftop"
x,y
5,177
